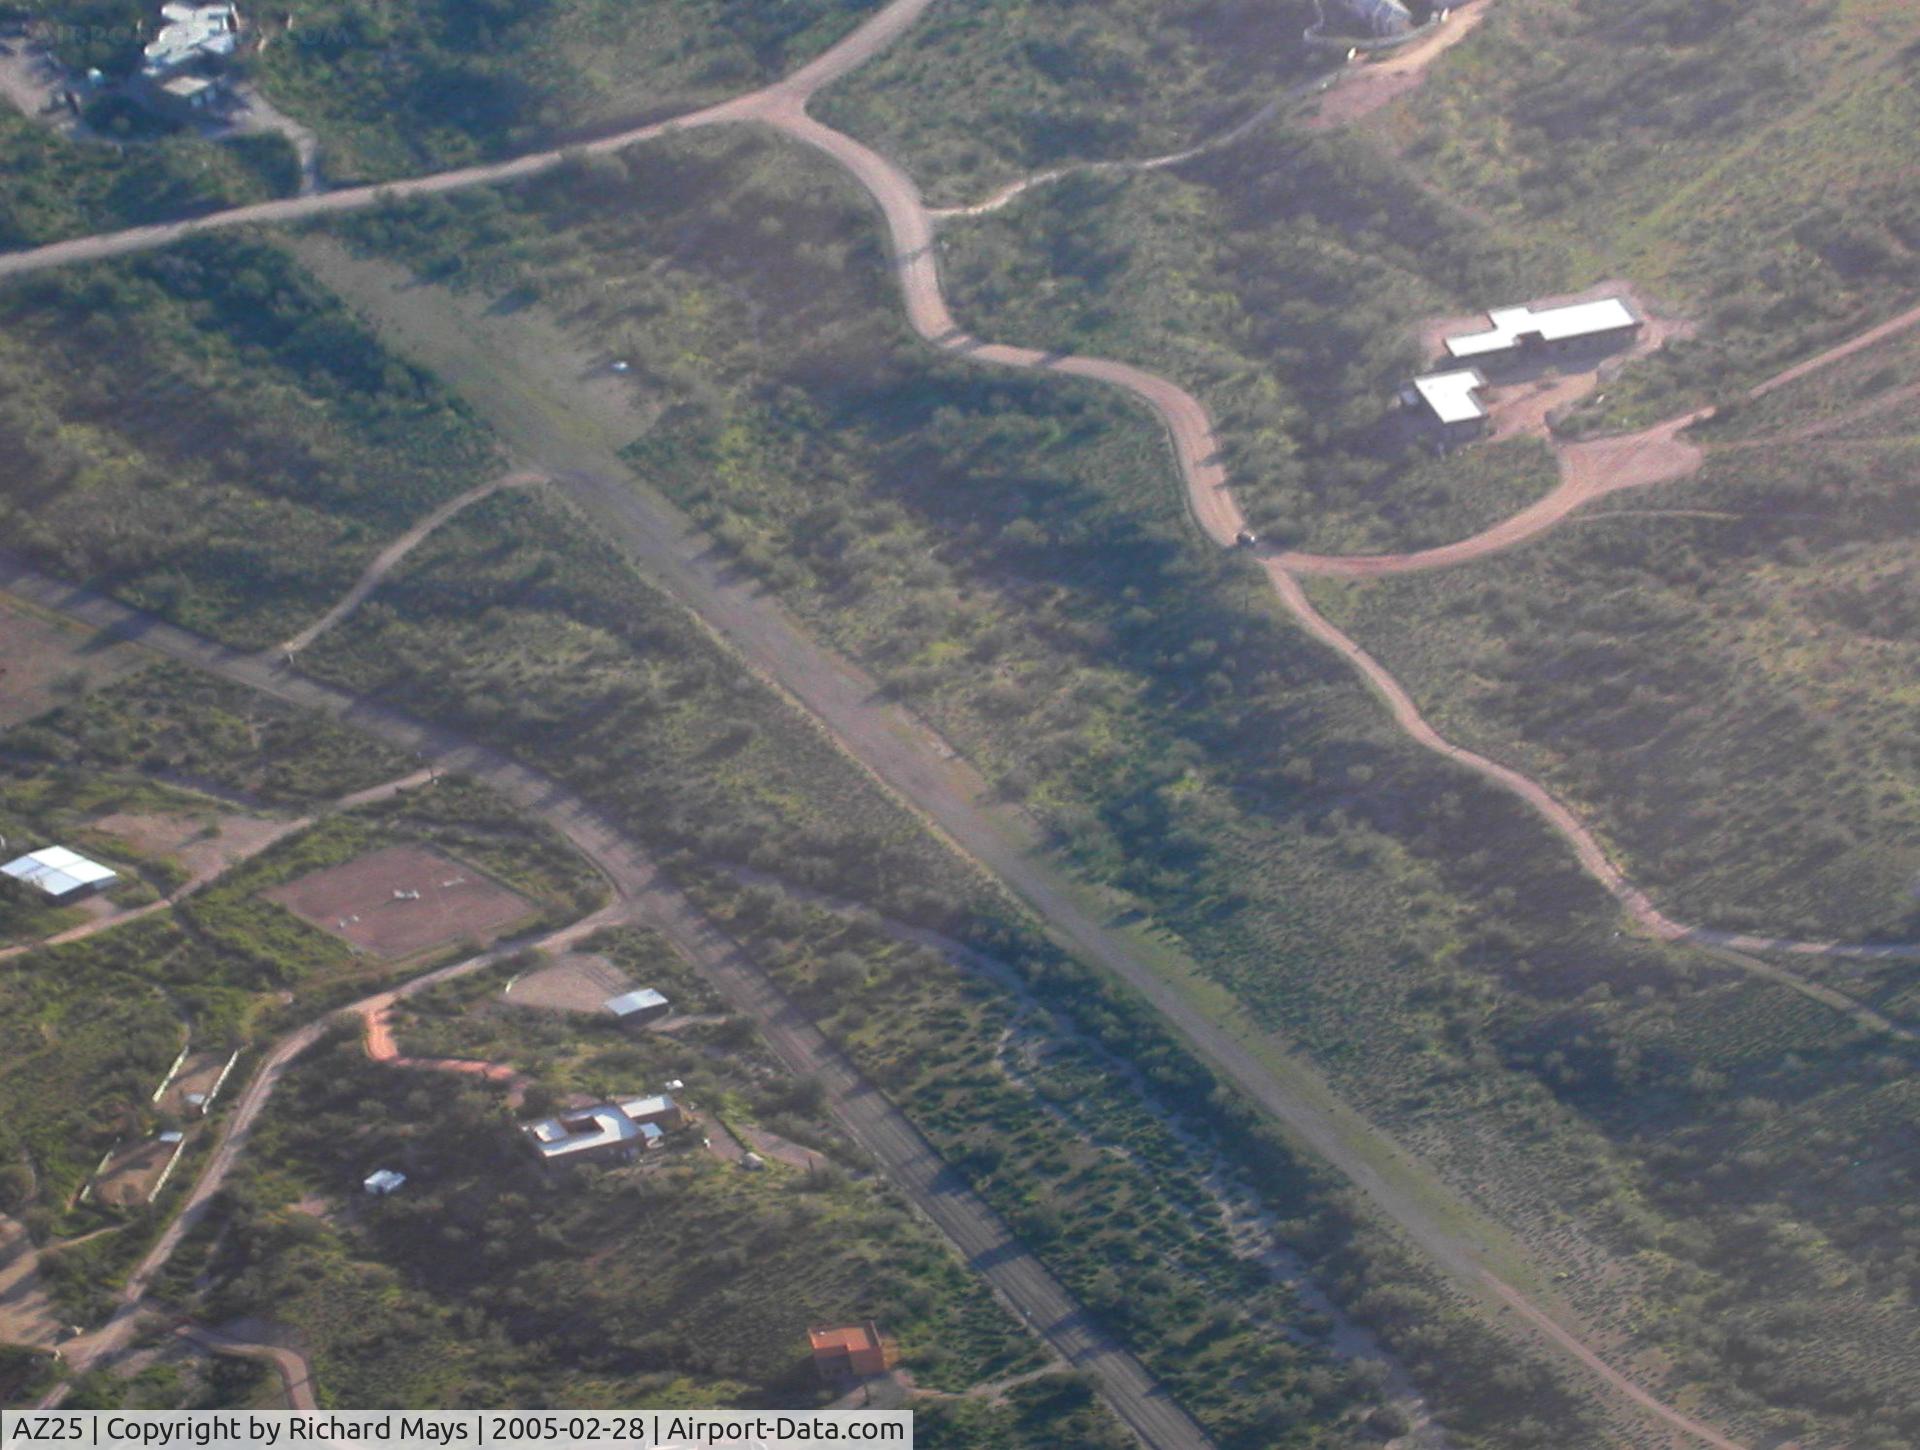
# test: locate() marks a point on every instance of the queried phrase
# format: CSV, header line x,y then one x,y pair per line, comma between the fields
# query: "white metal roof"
x,y
654,1107
191,31
385,1180
576,1132
1551,324
638,1001
1451,395
58,871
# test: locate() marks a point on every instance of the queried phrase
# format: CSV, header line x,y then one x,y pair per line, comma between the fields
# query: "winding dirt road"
x,y
866,41
294,1369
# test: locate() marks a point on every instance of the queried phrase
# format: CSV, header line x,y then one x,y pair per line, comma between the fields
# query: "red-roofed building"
x,y
855,1352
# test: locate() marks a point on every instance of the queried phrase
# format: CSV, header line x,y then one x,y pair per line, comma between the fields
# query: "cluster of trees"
x,y
966,104
250,442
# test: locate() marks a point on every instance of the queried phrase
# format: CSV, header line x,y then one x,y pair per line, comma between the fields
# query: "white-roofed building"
x,y
1517,333
190,35
1450,401
62,874
606,1132
599,1134
642,1005
383,1181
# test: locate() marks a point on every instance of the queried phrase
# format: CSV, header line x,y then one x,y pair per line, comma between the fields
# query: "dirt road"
x,y
388,558
865,1114
1589,471
294,1369
861,45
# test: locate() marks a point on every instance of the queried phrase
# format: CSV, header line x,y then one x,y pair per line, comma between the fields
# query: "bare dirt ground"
x,y
1588,471
721,1143
370,903
207,848
577,982
769,1144
27,1315
1367,86
103,915
30,79
37,655
196,1075
132,1173
381,1047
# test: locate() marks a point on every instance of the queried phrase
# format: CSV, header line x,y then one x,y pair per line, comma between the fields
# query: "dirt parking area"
x,y
196,1077
576,982
43,663
133,1173
402,901
769,1144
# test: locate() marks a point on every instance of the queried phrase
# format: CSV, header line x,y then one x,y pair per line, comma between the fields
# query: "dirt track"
x,y
294,1369
865,42
389,558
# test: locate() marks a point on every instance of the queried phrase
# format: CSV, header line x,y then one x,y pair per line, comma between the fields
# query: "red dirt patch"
x,y
370,902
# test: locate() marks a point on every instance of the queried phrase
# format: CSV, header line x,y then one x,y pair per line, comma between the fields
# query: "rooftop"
x,y
638,1001
1550,324
654,1107
1451,395
190,33
579,1130
828,1339
58,872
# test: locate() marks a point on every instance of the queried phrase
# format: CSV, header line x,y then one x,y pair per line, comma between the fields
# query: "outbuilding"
x,y
849,1352
1449,404
636,1007
59,873
383,1181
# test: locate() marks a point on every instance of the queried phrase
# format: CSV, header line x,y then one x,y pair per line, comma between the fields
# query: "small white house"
x,y
384,1181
